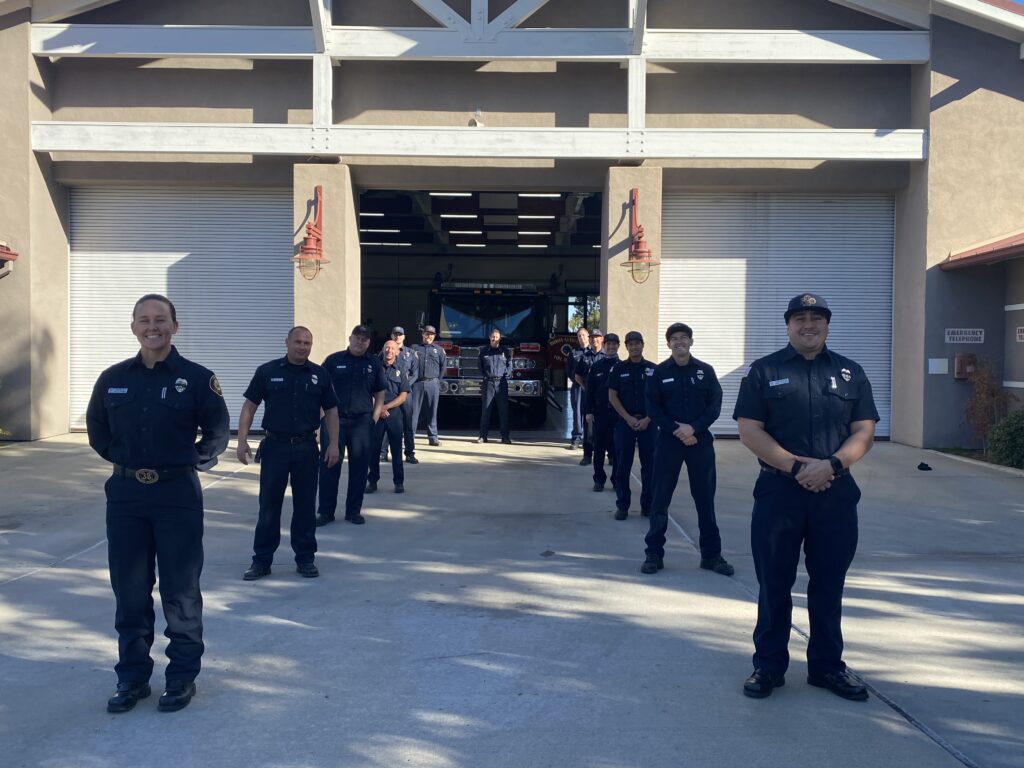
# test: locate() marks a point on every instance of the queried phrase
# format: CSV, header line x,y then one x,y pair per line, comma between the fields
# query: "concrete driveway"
x,y
494,615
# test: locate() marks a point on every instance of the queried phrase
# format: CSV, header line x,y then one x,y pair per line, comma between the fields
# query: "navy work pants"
x,y
408,427
425,395
669,456
627,441
494,393
603,435
354,437
785,517
149,528
392,429
280,462
576,404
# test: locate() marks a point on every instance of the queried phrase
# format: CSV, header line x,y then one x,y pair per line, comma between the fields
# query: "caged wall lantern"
x,y
7,257
311,252
641,260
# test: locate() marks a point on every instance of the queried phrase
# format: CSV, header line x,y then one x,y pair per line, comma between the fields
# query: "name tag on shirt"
x,y
623,375
280,379
778,382
117,391
667,381
341,366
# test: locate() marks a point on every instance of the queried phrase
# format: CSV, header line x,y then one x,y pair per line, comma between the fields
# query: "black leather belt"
x,y
285,437
148,476
774,471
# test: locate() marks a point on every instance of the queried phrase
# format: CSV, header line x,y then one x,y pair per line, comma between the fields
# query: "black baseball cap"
x,y
596,332
678,328
361,330
399,330
634,336
808,301
430,329
611,337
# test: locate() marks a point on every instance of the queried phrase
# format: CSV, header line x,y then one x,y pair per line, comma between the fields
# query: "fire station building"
x,y
871,151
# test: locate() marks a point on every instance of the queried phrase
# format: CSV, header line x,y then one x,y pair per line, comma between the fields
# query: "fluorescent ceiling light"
x,y
539,194
364,213
595,246
451,194
384,231
458,215
390,245
470,245
535,217
465,232
530,233
532,246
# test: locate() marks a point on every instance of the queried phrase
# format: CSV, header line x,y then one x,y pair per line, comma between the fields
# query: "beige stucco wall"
x,y
625,304
33,299
329,303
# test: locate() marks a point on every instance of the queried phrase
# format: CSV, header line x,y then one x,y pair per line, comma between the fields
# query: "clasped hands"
x,y
816,475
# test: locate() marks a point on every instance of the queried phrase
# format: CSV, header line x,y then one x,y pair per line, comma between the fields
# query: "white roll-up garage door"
x,y
731,262
221,255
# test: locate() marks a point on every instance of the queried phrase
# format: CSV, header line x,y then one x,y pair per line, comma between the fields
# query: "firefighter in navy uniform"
x,y
359,385
581,369
409,362
600,415
684,399
495,367
575,388
426,391
390,426
808,414
294,391
143,417
634,430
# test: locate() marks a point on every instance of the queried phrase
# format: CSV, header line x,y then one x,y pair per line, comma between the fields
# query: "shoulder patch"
x,y
215,386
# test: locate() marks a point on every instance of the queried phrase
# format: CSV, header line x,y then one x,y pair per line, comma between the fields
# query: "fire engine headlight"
x,y
444,387
521,363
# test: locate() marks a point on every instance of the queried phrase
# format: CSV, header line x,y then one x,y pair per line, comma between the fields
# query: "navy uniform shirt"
x,y
294,395
432,360
684,394
572,361
597,383
629,381
409,363
395,381
356,380
494,362
585,361
806,405
148,417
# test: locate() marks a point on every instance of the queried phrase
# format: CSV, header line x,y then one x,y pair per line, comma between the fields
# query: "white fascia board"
x,y
148,41
555,143
786,46
444,15
908,13
417,43
988,18
323,90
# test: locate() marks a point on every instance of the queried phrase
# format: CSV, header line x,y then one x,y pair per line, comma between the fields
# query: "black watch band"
x,y
797,466
837,465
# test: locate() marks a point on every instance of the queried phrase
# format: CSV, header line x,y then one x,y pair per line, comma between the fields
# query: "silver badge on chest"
x,y
845,373
180,385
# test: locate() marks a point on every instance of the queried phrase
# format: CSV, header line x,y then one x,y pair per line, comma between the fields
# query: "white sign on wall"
x,y
1020,335
965,335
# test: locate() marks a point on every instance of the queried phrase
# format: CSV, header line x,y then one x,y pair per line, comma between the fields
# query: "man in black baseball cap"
x,y
580,372
426,392
409,363
599,413
808,302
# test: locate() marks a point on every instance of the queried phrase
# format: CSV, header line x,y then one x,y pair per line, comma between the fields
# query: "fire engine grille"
x,y
469,361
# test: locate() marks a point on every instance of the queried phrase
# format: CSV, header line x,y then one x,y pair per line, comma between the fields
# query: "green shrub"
x,y
1006,441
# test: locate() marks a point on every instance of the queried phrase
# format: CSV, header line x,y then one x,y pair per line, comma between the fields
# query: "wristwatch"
x,y
797,466
837,465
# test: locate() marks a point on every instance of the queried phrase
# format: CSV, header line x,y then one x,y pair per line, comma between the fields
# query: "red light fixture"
x,y
641,260
311,252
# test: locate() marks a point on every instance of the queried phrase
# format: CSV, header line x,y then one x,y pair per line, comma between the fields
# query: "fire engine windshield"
x,y
521,318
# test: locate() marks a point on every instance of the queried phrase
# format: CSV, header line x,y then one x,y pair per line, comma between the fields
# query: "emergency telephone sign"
x,y
965,335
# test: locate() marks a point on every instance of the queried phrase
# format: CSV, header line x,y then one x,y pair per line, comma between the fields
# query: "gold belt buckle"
x,y
147,476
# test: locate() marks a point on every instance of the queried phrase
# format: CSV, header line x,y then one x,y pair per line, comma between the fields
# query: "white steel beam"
x,y
478,14
638,22
443,14
514,15
147,41
786,46
636,112
320,12
556,143
417,43
323,90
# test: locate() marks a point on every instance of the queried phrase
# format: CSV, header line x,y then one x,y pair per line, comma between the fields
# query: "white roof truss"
x,y
556,143
415,43
320,11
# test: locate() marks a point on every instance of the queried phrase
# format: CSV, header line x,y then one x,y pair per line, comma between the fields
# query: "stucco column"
x,y
34,298
329,303
627,305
